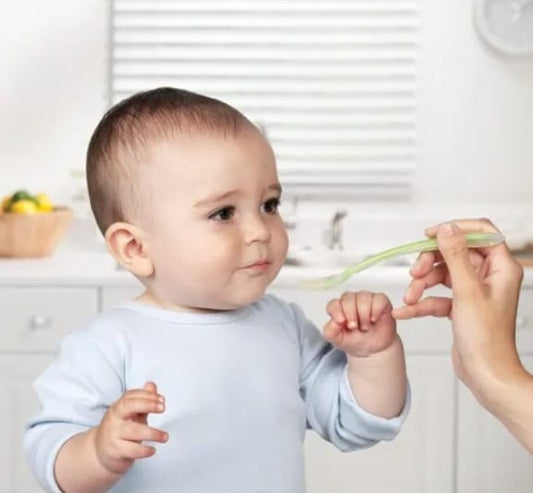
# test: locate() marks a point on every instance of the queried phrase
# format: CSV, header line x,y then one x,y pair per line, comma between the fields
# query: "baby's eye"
x,y
224,214
271,206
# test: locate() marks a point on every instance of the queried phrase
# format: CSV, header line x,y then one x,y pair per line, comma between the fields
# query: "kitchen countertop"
x,y
76,267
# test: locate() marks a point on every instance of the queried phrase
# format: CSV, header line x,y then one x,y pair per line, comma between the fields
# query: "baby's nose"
x,y
257,229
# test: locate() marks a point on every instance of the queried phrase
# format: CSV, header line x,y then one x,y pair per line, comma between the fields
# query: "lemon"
x,y
6,203
24,206
44,204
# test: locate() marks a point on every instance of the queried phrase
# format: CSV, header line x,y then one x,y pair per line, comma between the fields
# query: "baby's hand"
x,y
361,323
124,426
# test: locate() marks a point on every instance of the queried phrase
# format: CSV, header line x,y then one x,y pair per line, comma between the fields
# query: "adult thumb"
x,y
453,248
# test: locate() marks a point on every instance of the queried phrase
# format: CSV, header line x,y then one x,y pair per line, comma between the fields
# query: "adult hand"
x,y
485,286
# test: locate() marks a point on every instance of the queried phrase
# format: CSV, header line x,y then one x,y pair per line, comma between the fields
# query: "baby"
x,y
223,376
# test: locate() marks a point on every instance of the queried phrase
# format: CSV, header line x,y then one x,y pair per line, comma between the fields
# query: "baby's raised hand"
x,y
119,437
361,323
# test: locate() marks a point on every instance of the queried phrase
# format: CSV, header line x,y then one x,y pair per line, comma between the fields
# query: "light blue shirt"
x,y
241,388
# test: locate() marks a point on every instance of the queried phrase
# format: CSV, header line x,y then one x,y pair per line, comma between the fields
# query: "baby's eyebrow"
x,y
219,197
276,187
215,198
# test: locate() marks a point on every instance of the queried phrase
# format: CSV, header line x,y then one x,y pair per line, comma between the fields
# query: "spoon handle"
x,y
473,240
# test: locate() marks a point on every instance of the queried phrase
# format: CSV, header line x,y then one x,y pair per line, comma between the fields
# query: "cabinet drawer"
x,y
36,319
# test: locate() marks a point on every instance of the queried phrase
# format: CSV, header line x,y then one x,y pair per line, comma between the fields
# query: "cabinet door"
x,y
490,460
419,460
17,405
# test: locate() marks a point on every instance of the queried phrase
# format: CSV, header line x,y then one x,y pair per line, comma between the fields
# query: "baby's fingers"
x,y
130,407
139,432
335,311
133,450
148,392
380,305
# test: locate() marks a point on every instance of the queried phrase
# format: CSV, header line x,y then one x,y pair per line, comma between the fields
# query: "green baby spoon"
x,y
473,240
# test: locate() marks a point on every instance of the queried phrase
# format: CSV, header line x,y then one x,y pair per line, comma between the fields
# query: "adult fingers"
x,y
481,225
423,264
435,306
453,248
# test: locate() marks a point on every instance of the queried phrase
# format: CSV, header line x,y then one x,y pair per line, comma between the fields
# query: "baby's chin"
x,y
235,303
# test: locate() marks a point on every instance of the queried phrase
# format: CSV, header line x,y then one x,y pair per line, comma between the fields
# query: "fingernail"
x,y
340,321
448,229
161,398
352,324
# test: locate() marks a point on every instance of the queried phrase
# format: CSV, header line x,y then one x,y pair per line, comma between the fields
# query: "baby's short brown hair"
x,y
120,144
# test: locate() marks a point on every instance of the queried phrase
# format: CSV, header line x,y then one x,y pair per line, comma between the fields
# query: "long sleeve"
x,y
331,408
74,393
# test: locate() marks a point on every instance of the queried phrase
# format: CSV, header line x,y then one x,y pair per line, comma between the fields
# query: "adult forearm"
x,y
379,381
77,468
510,400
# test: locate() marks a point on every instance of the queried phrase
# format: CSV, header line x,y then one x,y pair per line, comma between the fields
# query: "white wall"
x,y
476,113
475,119
52,89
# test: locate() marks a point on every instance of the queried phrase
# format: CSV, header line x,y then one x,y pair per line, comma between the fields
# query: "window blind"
x,y
332,84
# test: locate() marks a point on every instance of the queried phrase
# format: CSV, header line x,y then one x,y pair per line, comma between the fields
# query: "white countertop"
x,y
75,267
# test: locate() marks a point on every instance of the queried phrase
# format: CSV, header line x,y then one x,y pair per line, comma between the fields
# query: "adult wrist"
x,y
497,390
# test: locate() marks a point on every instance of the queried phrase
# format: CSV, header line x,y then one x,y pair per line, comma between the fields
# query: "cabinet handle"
x,y
40,322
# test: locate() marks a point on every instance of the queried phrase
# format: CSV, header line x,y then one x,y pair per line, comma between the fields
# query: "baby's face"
x,y
216,240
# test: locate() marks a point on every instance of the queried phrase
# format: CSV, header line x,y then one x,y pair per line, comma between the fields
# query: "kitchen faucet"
x,y
333,235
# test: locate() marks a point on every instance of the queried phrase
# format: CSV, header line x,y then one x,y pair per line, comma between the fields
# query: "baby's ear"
x,y
127,243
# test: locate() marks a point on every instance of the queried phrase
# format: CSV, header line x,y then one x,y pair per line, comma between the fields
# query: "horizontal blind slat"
x,y
333,83
410,6
160,37
298,55
324,24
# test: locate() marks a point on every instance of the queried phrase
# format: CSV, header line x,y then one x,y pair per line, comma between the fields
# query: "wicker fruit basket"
x,y
32,235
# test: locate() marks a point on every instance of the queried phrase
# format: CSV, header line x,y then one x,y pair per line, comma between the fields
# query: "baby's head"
x,y
185,190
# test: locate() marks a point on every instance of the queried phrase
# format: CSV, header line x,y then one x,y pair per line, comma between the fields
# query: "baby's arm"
x,y
94,460
361,325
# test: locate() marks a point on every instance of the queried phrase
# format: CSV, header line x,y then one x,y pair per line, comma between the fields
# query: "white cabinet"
x,y
419,460
18,404
490,460
33,322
